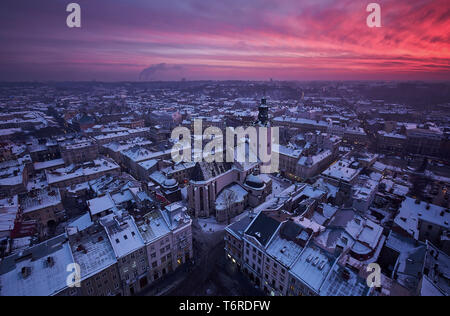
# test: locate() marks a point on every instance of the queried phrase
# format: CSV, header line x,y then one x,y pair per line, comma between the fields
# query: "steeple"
x,y
263,116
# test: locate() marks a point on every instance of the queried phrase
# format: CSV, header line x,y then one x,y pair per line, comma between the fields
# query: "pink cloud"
x,y
229,40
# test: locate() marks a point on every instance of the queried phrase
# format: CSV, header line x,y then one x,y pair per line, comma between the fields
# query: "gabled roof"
x,y
263,228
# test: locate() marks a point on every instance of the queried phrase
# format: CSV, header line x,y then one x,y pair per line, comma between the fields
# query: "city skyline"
x,y
254,40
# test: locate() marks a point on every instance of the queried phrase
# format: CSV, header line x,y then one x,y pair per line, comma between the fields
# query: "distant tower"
x,y
263,125
263,116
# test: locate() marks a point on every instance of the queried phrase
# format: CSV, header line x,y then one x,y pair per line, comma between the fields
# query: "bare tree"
x,y
229,198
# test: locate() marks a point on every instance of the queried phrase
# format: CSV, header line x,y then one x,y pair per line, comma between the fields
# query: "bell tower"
x,y
263,116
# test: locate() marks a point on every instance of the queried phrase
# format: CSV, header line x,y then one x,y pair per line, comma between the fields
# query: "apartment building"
x,y
168,240
44,206
234,242
130,252
79,152
76,174
99,272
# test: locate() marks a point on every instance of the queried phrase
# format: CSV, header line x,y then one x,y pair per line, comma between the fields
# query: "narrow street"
x,y
212,274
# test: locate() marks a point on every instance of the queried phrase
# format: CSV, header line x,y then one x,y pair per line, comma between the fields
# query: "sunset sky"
x,y
228,39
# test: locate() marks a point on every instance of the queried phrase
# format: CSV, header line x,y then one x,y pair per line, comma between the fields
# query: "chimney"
x,y
26,272
50,262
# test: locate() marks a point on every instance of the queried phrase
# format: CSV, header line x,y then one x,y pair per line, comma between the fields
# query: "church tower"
x,y
263,116
264,132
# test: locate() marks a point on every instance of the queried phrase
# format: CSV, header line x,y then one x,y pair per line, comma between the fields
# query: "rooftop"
x,y
411,211
40,199
93,253
313,267
101,204
342,170
153,227
38,271
123,234
263,228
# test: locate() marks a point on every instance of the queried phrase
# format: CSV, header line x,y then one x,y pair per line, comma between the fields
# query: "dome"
x,y
254,182
170,183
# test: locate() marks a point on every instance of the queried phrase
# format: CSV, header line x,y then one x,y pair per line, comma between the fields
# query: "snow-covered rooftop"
x,y
93,253
313,267
123,234
411,212
38,271
101,204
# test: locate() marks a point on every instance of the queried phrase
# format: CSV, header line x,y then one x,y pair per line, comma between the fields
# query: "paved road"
x,y
213,274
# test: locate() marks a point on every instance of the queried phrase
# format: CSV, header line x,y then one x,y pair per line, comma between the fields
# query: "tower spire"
x,y
263,116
